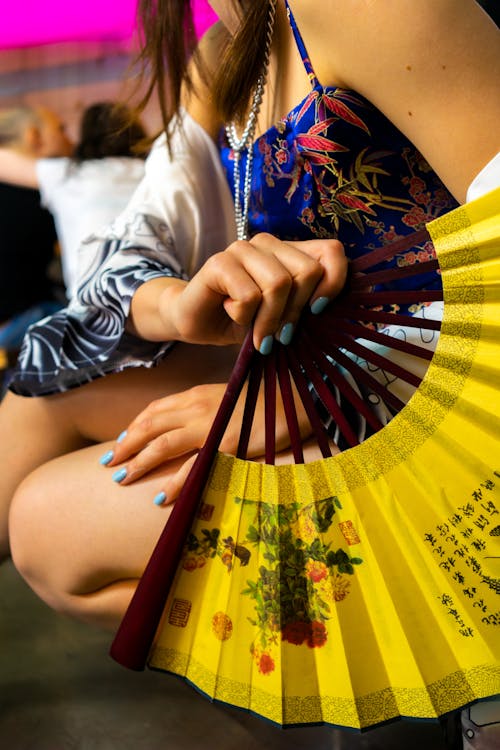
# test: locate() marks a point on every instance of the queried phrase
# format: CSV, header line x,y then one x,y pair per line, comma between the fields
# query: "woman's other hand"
x,y
178,425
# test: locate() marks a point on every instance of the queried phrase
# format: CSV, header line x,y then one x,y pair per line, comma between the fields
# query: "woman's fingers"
x,y
303,273
168,428
164,448
318,270
331,257
264,281
175,483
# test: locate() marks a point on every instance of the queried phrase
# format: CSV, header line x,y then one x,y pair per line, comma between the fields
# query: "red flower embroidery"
x,y
313,633
316,570
317,636
190,563
282,156
296,632
266,664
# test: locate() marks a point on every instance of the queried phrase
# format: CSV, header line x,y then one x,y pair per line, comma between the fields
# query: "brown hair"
x,y
168,43
109,129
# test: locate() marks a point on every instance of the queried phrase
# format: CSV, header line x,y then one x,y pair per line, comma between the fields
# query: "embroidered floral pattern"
x,y
336,167
302,577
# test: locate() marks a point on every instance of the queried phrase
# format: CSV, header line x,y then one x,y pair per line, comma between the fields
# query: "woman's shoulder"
x,y
197,100
418,63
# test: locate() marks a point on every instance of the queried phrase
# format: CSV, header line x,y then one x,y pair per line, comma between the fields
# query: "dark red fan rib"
x,y
341,310
270,405
325,394
389,251
136,632
391,342
399,297
392,274
289,407
335,376
254,381
307,400
350,345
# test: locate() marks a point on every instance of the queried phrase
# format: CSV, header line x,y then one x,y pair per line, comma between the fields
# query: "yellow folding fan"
x,y
363,586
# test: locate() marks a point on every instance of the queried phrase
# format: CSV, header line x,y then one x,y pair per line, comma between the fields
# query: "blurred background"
x,y
65,55
59,690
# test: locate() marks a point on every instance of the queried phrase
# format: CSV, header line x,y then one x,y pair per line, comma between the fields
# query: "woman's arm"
x,y
432,67
17,168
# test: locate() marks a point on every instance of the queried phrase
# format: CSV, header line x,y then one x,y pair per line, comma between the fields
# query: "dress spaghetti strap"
x,y
301,46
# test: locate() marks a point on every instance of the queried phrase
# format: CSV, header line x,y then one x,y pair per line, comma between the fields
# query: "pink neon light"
x,y
27,23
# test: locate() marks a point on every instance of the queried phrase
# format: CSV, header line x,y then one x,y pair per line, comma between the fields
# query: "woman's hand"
x,y
178,425
263,281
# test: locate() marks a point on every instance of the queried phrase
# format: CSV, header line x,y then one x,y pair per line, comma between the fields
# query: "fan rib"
x,y
254,381
380,316
395,297
391,342
333,374
289,406
136,632
301,384
312,372
390,250
350,345
270,408
392,274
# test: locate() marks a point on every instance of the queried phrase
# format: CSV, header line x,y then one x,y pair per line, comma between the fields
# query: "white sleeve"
x,y
51,173
488,179
180,214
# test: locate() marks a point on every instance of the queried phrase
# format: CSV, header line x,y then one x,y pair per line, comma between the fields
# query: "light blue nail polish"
x,y
119,475
106,458
319,305
266,345
121,436
160,498
286,333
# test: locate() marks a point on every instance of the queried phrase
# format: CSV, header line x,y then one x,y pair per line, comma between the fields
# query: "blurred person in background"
x,y
87,187
28,239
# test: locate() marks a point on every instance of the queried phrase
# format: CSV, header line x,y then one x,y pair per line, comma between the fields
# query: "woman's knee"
x,y
33,543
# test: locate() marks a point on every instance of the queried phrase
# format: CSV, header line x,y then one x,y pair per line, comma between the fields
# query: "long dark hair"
x,y
168,42
109,129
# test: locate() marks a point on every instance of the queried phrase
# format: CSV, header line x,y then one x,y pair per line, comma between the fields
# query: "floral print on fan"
x,y
303,577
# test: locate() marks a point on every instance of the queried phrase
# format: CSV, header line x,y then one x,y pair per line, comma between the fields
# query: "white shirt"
x,y
488,179
83,198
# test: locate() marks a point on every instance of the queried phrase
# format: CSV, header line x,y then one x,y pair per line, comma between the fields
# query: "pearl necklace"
x,y
246,140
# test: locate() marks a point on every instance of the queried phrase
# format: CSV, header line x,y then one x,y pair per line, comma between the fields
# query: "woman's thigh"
x,y
74,531
103,408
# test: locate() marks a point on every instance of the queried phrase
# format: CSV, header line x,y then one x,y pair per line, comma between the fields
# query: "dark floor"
x,y
59,690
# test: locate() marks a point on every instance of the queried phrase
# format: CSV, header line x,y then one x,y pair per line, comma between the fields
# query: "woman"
x,y
380,83
88,188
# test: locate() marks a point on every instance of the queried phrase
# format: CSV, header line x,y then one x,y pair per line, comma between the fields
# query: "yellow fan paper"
x,y
366,586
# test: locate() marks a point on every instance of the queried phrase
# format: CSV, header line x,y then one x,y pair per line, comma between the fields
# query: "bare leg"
x,y
35,430
80,540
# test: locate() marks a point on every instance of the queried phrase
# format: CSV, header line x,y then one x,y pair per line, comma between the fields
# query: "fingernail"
x,y
286,333
121,436
266,345
160,498
319,305
106,458
119,475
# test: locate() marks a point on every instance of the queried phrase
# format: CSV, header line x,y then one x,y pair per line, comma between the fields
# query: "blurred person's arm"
x,y
17,168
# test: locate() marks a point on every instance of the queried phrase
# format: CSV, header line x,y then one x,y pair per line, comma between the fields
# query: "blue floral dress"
x,y
335,166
